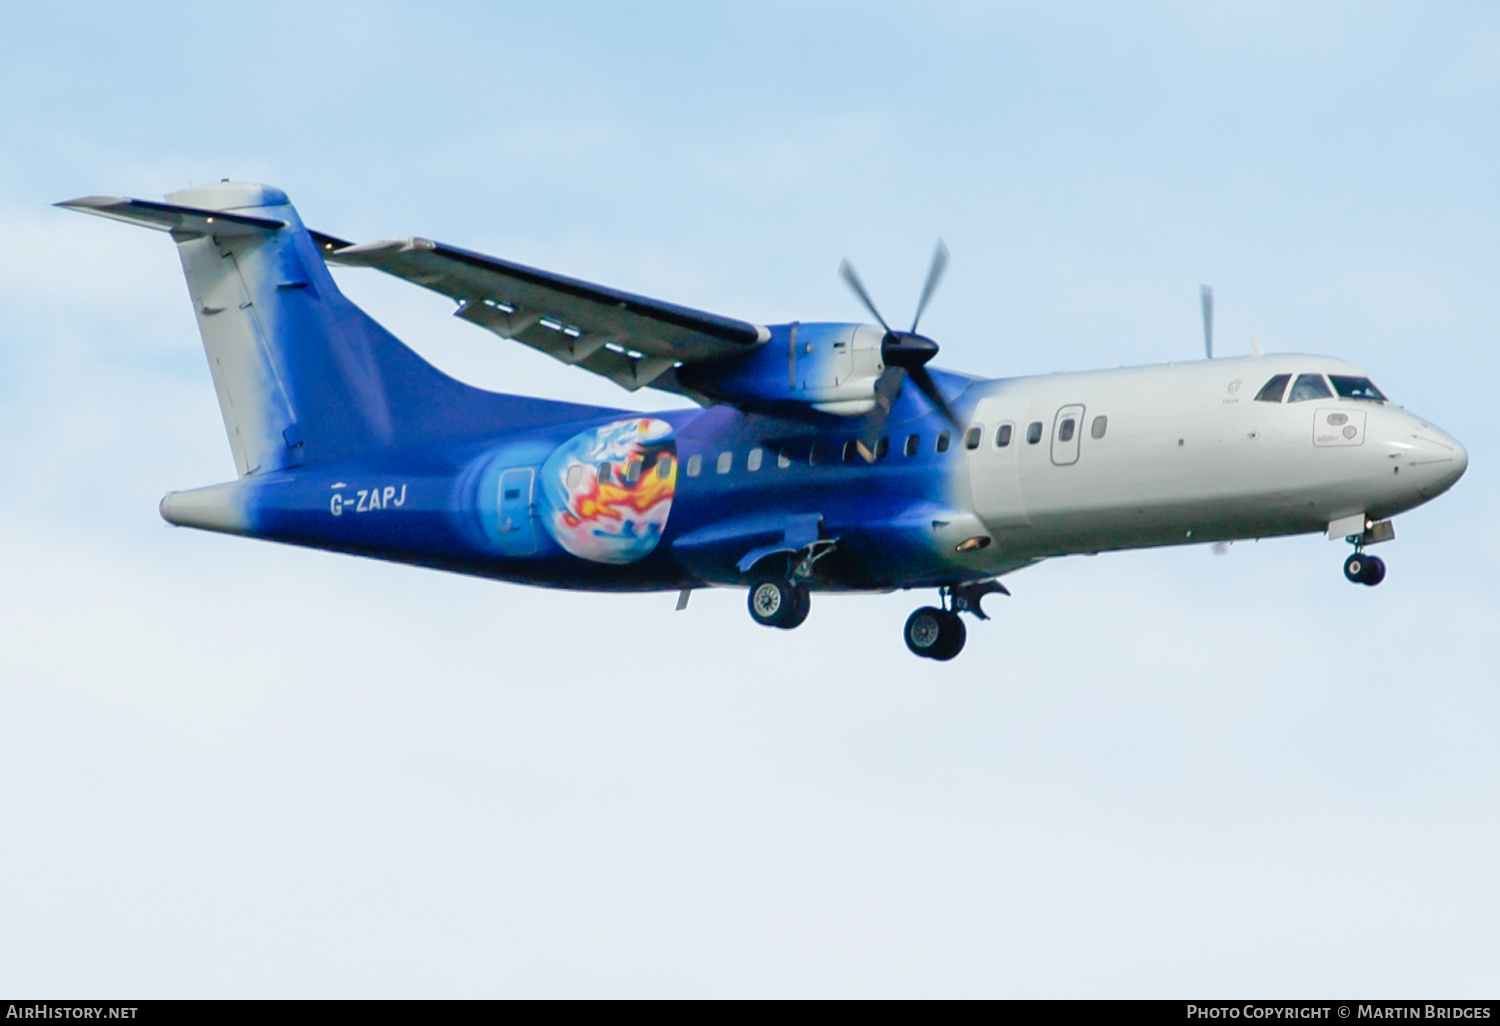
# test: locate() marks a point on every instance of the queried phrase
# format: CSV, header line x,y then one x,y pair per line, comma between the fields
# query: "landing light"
x,y
974,544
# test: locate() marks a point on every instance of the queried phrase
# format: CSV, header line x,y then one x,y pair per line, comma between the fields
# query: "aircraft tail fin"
x,y
302,374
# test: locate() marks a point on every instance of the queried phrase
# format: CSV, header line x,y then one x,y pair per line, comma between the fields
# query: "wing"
x,y
632,340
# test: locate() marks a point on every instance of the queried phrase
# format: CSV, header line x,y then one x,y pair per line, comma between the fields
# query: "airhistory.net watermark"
x,y
42,1010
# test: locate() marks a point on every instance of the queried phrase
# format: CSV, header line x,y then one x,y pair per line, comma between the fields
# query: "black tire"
x,y
953,637
1354,568
923,630
777,602
1373,572
800,610
935,633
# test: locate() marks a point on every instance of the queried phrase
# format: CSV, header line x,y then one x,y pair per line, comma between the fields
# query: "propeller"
x,y
1206,293
904,353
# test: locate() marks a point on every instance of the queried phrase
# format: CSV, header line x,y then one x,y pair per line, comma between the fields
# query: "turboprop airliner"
x,y
820,457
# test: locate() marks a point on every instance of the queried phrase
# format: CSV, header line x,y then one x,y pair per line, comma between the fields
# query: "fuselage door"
x,y
1066,429
517,528
994,484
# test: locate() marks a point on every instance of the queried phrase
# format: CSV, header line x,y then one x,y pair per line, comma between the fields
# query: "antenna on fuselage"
x,y
1206,293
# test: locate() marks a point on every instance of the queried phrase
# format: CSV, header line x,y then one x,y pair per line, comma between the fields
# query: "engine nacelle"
x,y
831,368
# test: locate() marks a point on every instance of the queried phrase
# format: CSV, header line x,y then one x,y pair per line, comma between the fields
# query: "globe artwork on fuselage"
x,y
606,492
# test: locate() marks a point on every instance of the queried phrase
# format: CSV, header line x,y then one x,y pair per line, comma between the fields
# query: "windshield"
x,y
1355,388
1273,390
1308,386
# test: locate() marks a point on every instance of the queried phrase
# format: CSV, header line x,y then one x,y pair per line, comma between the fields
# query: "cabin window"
x,y
695,466
1066,428
752,462
912,444
1273,390
943,440
575,476
1308,386
1356,388
1100,425
1002,437
603,474
882,448
972,437
1034,432
632,471
851,450
815,454
784,458
664,467
512,493
726,462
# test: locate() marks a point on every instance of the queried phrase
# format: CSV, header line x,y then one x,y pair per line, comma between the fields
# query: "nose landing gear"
x,y
1362,569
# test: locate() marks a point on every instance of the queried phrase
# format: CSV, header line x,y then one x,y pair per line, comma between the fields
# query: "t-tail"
x,y
302,374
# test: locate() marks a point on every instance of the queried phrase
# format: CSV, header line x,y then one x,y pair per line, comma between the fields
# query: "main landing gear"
x,y
935,633
939,634
781,599
778,602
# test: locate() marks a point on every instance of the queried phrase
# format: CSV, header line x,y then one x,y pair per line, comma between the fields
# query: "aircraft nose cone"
x,y
1460,464
1438,458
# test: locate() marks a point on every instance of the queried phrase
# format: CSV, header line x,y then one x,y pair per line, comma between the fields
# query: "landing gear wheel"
x,y
803,607
935,633
1353,567
1362,569
777,602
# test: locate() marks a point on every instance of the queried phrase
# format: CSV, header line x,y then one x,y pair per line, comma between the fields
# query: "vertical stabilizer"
x,y
239,284
303,374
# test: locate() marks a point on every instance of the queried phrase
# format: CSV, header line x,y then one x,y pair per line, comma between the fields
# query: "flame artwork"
x,y
607,491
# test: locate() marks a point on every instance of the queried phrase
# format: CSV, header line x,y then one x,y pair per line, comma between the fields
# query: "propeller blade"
x,y
930,390
887,391
846,271
1207,294
934,275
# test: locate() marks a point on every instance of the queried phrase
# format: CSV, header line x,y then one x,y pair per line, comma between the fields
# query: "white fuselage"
x,y
1186,454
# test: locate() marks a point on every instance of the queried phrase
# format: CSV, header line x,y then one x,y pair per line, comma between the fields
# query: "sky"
x,y
230,768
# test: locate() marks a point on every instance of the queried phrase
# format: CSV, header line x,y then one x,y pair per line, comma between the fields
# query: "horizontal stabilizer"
x,y
168,218
302,374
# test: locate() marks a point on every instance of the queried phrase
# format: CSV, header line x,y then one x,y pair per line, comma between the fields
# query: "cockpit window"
x,y
1309,386
1274,390
1355,388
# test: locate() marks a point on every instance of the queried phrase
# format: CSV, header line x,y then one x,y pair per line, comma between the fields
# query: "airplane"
x,y
808,464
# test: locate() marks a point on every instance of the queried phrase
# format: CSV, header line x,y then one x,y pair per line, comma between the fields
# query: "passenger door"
x,y
517,529
1067,429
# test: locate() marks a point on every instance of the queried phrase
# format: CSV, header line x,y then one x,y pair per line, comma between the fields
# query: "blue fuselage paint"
x,y
439,505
